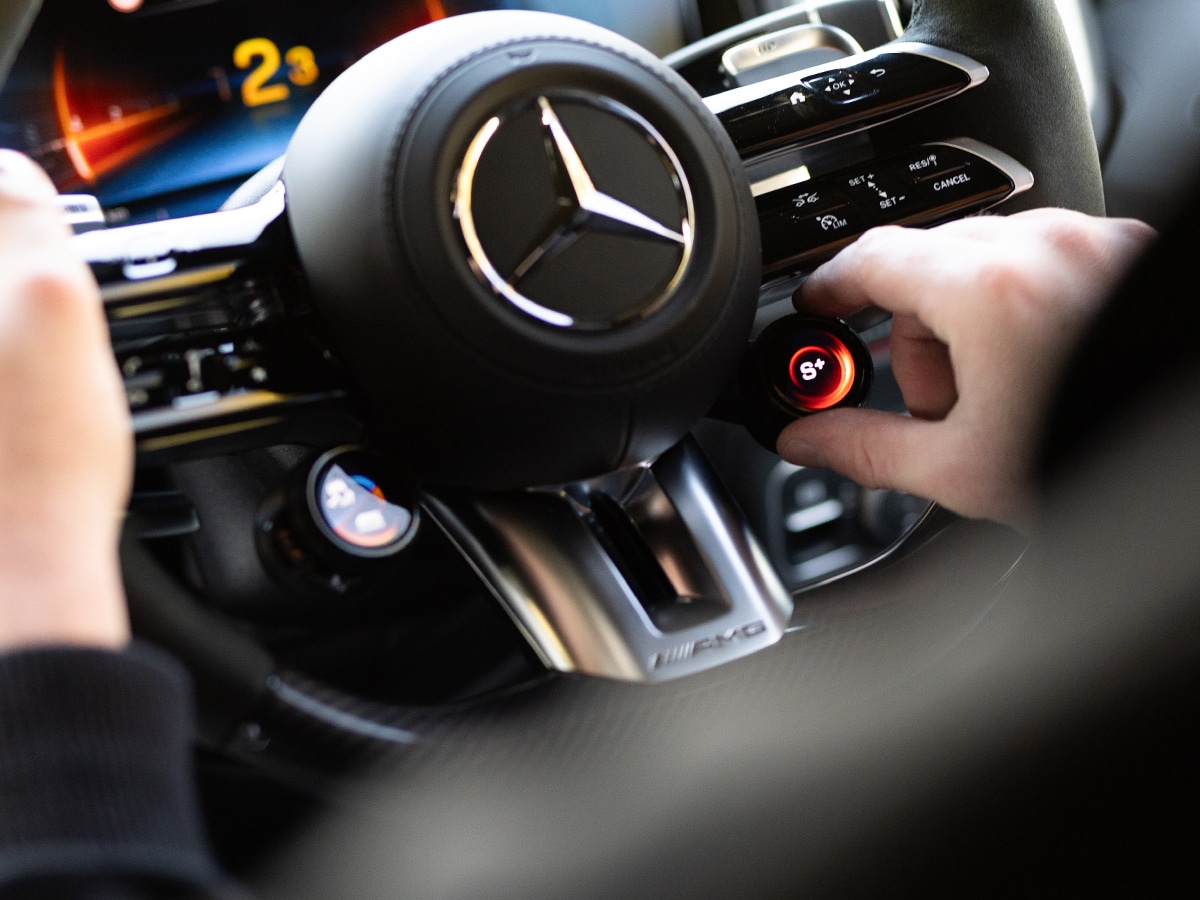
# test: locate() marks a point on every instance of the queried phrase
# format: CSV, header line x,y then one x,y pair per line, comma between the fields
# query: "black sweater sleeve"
x,y
96,791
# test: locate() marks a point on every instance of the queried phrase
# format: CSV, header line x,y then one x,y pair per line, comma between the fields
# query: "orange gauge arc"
x,y
76,137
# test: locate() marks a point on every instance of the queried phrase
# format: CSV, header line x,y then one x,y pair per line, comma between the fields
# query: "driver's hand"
x,y
65,440
986,311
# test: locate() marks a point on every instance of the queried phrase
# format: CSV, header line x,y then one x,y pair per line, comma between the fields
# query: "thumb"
x,y
876,449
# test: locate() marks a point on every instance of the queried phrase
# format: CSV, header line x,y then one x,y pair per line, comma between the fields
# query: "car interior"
x,y
457,336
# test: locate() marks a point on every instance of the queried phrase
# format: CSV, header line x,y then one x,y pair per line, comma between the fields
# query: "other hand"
x,y
985,313
66,453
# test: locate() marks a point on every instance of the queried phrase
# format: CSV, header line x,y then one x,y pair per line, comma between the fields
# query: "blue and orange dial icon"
x,y
355,510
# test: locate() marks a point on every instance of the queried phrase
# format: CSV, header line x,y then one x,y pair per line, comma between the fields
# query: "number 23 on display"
x,y
262,57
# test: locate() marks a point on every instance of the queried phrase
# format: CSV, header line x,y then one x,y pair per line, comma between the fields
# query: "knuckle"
x,y
49,285
1003,279
1133,234
875,242
875,254
1084,240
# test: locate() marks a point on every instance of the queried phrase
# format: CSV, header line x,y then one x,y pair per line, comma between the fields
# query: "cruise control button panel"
x,y
840,98
805,223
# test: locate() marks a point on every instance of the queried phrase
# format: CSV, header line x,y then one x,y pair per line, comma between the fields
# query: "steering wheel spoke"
x,y
214,336
643,575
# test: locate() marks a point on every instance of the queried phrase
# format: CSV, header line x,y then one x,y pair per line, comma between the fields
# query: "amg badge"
x,y
714,642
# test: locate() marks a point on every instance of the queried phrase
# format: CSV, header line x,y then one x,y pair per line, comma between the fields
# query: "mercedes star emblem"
x,y
580,209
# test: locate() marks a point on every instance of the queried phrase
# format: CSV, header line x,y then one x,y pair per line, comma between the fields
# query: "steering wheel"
x,y
486,362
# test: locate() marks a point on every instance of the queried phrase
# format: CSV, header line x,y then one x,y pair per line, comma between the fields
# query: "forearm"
x,y
95,777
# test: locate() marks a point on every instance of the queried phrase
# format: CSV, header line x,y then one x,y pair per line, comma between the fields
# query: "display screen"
x,y
161,108
354,507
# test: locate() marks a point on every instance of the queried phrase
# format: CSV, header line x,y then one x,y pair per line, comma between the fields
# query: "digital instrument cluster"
x,y
160,108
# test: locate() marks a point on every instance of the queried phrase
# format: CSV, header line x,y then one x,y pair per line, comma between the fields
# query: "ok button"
x,y
840,86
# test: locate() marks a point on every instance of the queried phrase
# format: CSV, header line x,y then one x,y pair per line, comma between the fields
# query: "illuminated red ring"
x,y
845,361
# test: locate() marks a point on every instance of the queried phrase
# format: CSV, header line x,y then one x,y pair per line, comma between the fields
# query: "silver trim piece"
x,y
120,292
782,180
154,242
891,18
933,520
814,516
768,48
835,559
772,21
82,212
581,193
1072,15
198,409
545,560
1017,172
976,72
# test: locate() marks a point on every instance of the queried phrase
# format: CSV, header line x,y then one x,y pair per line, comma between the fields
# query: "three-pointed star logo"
x,y
580,207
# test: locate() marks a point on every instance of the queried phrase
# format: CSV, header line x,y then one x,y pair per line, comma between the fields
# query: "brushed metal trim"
x,y
542,559
767,48
137,244
891,17
197,409
798,175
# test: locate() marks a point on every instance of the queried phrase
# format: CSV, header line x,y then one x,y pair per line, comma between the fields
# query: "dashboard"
x,y
161,108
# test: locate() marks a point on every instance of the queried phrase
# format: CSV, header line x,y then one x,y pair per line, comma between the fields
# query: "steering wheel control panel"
x,y
807,222
793,130
841,97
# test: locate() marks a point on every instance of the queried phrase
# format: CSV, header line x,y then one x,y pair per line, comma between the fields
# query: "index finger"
x,y
902,270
